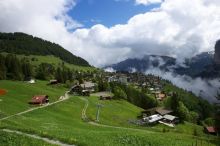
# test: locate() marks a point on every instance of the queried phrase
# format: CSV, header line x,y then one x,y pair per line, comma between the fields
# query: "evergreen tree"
x,y
3,69
59,75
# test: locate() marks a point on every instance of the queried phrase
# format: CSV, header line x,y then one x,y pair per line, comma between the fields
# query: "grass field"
x,y
19,93
63,121
36,60
11,139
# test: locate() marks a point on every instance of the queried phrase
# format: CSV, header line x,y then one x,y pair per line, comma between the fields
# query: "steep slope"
x,y
21,43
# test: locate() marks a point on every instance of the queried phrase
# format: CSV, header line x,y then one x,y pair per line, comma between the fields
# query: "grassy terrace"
x,y
63,121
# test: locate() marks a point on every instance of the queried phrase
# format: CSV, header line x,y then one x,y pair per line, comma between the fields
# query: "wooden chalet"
x,y
39,99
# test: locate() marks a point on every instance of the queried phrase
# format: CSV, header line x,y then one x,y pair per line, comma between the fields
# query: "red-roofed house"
x,y
39,99
210,130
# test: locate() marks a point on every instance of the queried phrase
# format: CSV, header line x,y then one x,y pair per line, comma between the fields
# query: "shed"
x,y
39,99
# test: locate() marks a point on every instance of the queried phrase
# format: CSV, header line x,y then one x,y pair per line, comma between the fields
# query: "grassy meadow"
x,y
62,121
37,60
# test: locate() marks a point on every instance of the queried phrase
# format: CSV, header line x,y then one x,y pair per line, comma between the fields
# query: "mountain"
x,y
142,64
192,66
21,43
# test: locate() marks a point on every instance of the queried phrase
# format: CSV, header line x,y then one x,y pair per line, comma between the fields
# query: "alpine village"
x,y
49,96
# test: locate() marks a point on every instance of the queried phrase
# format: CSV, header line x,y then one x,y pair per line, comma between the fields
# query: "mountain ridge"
x,y
21,43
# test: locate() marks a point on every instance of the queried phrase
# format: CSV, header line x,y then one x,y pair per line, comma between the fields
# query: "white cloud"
x,y
207,89
177,28
147,2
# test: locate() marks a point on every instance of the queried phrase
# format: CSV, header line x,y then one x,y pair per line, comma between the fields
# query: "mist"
x,y
205,88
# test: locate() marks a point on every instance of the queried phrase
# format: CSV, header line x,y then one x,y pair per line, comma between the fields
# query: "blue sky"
x,y
107,12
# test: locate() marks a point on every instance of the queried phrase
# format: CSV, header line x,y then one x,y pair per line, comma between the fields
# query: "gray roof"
x,y
163,111
169,117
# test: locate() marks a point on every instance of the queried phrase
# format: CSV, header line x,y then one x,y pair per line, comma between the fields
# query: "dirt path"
x,y
51,141
84,117
66,96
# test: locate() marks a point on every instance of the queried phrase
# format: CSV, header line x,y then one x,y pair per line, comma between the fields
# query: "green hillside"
x,y
36,60
21,43
63,121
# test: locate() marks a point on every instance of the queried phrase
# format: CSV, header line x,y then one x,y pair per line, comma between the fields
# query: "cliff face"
x,y
217,52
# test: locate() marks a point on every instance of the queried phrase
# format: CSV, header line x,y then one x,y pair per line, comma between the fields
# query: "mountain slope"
x,y
192,66
21,43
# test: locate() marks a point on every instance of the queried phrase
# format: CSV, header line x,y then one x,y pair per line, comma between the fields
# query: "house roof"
x,y
38,98
169,117
153,118
87,85
163,111
211,129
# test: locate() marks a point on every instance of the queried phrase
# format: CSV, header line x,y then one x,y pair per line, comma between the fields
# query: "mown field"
x,y
63,121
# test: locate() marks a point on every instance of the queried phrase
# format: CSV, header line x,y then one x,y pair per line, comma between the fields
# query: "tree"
x,y
217,115
3,69
119,93
182,111
174,102
59,75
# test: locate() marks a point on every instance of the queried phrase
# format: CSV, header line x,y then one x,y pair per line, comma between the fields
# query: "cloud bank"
x,y
177,28
206,89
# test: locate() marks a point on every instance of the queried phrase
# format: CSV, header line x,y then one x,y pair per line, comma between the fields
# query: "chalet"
x,y
105,97
53,82
170,119
76,89
153,118
163,111
88,86
39,99
112,79
210,130
85,93
160,96
123,79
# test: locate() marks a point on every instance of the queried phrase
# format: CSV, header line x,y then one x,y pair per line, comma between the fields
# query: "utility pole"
x,y
98,110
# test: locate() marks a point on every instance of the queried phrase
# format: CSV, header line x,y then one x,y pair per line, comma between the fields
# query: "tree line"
x,y
14,68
